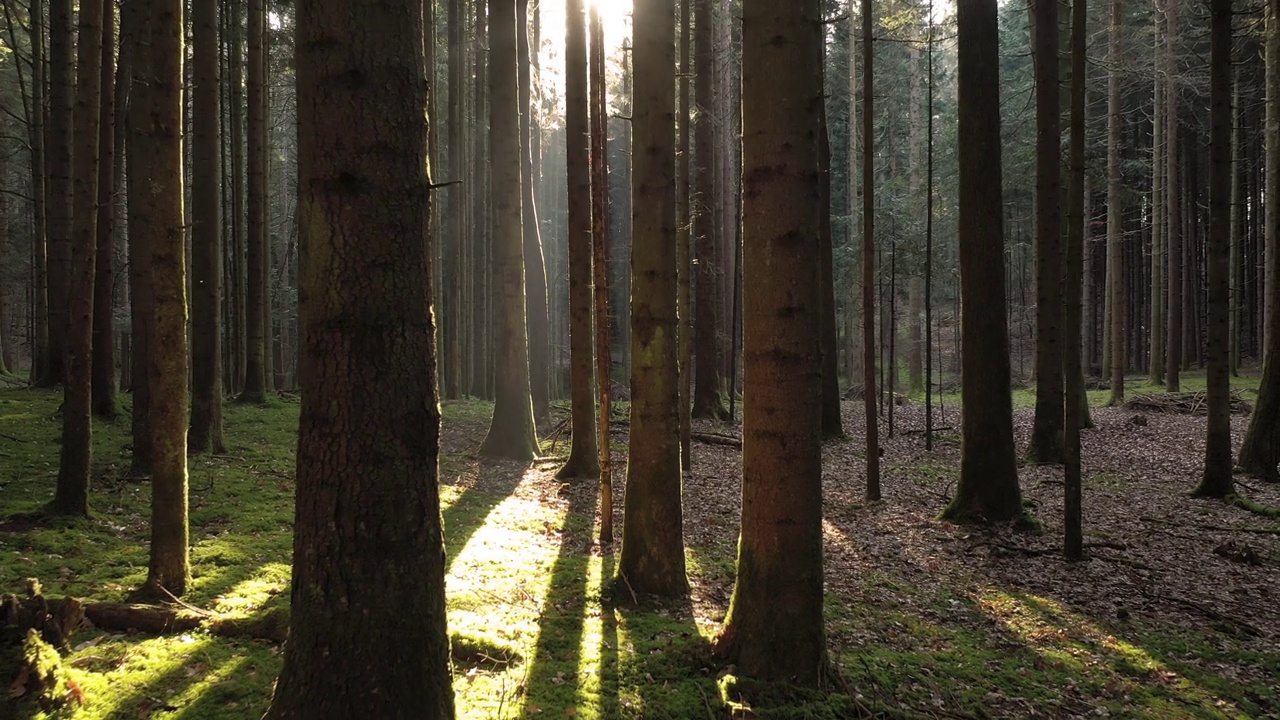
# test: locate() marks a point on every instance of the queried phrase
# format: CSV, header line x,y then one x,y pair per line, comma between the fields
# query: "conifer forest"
x,y
639,359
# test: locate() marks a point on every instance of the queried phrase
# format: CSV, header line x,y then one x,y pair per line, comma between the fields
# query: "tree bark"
x,y
832,425
1217,480
258,255
72,494
1117,307
915,288
353,650
988,486
869,255
139,164
684,235
583,461
1046,432
652,557
103,343
1159,208
774,629
206,235
1075,408
600,224
512,431
535,266
1173,203
40,351
58,203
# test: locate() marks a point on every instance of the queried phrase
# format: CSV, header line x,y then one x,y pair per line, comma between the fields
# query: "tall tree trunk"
x,y
915,288
1173,205
583,461
652,557
1046,433
480,237
774,630
368,635
103,343
512,431
258,255
238,235
40,351
600,222
1159,209
988,486
136,14
869,255
1217,480
206,235
58,199
1260,450
684,235
535,267
708,353
855,292
832,426
1235,269
72,494
1076,403
1116,305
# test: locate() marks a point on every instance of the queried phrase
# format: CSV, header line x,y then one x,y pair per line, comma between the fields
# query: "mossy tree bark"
x,y
105,404
1046,432
135,14
652,557
72,494
512,433
535,268
167,358
206,235
367,631
583,461
1260,450
774,630
708,350
1217,480
58,200
258,255
988,487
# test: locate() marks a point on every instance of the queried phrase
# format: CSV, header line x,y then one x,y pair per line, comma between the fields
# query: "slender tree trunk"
x,y
652,557
40,351
1158,207
855,293
684,232
832,426
239,239
583,461
72,494
103,343
258,255
480,236
206,236
915,343
1234,268
599,121
136,14
368,634
1115,251
58,203
869,255
512,432
988,487
535,267
1046,433
774,630
1173,205
1217,480
708,353
1075,401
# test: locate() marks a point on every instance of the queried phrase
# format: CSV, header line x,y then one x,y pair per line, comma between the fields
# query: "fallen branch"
x,y
712,439
1215,528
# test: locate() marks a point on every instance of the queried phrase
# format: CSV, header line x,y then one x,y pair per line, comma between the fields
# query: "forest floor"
x,y
925,618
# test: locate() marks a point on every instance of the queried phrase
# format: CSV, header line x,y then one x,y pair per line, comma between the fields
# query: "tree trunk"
x,y
1235,269
988,485
1173,205
832,426
103,343
708,353
206,235
72,495
512,431
1159,209
368,633
1046,433
915,288
482,284
1116,305
535,267
40,351
652,557
1075,407
684,236
583,461
774,630
1260,450
139,165
869,255
258,255
58,200
1217,481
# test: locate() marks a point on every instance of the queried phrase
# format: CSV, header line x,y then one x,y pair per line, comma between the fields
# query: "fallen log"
x,y
713,439
1188,403
163,619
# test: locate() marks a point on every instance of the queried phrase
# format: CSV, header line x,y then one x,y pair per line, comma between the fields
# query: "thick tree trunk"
x,y
167,362
58,199
583,461
774,630
353,650
988,487
652,557
103,344
206,236
512,432
1046,433
72,495
1217,480
535,266
708,401
258,255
